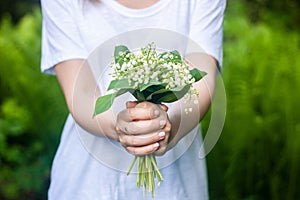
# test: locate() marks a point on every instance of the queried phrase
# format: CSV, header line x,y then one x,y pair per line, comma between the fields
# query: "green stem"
x,y
147,172
131,166
159,176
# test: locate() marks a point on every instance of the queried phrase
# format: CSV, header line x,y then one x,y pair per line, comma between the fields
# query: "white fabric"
x,y
73,29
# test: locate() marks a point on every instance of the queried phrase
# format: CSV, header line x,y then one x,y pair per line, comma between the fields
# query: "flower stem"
x,y
154,164
131,166
147,172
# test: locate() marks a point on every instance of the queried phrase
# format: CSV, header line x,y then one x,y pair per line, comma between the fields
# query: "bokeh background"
x,y
258,153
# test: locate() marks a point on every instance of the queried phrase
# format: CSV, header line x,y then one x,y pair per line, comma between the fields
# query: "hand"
x,y
144,128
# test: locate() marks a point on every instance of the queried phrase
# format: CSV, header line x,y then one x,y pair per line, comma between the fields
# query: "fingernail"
x,y
156,113
162,122
155,145
161,134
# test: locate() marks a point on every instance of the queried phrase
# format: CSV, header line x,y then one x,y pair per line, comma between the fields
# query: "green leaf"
x,y
162,54
119,84
103,103
118,50
152,90
197,74
142,87
168,96
178,89
138,95
122,91
176,55
157,92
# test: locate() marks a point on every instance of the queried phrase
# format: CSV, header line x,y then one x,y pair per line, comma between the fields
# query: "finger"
x,y
149,104
131,104
144,150
133,114
162,147
163,144
142,127
141,140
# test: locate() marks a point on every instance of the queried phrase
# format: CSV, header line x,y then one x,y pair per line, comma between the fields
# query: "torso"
x,y
137,4
98,23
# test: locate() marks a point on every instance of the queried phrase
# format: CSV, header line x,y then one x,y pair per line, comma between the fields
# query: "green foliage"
x,y
276,13
16,9
31,112
257,156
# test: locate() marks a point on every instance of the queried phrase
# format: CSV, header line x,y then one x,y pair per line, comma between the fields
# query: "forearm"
x,y
81,91
183,123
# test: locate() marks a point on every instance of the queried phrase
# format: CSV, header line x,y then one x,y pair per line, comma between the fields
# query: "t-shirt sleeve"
x,y
61,40
207,27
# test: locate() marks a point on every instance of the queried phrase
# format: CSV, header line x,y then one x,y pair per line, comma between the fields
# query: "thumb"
x,y
164,107
131,104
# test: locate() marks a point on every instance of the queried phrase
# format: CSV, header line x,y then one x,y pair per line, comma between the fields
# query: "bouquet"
x,y
149,76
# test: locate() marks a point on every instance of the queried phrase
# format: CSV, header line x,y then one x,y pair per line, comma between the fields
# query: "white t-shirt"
x,y
88,167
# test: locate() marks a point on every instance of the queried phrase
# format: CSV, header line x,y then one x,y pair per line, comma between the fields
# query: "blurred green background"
x,y
258,154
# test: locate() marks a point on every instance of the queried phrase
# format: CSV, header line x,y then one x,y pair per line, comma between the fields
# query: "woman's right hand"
x,y
143,128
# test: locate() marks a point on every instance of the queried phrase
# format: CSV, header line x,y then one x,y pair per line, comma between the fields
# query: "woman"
x,y
72,29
